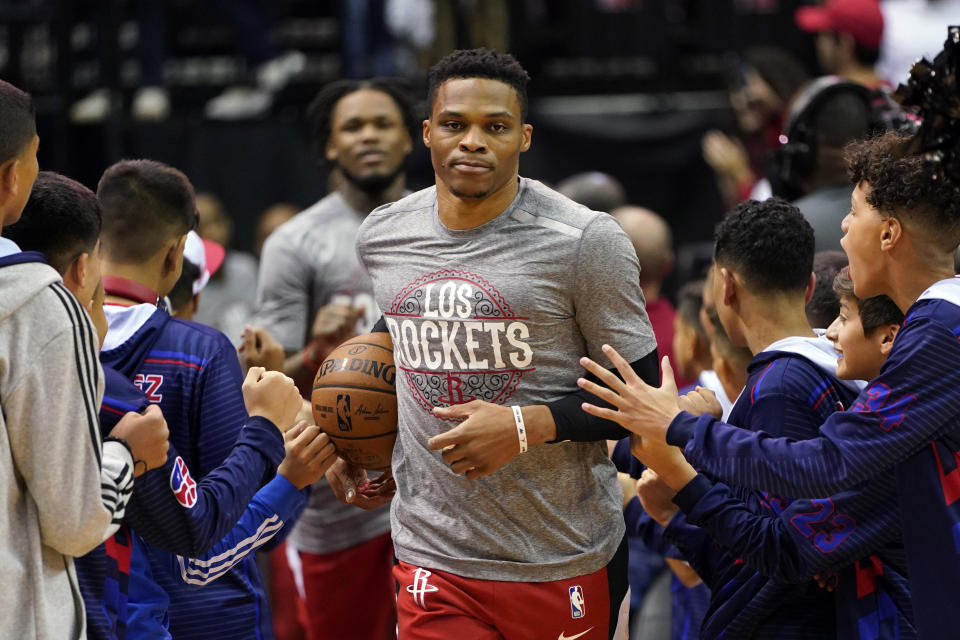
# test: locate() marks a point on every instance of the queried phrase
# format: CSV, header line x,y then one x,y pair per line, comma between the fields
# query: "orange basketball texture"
x,y
354,400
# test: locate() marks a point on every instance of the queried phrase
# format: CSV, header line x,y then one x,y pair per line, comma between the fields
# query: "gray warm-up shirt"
x,y
308,262
502,313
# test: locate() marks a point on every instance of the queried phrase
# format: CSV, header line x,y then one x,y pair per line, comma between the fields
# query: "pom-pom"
x,y
933,93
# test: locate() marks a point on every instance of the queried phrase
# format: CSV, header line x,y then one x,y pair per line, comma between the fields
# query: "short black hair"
x,y
145,204
62,220
320,112
769,244
875,312
182,291
903,185
479,63
689,301
824,305
17,121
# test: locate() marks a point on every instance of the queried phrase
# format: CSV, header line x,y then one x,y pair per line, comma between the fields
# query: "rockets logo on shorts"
x,y
577,607
421,587
183,486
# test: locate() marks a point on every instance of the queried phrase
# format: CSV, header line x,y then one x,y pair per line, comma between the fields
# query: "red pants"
x,y
435,605
348,594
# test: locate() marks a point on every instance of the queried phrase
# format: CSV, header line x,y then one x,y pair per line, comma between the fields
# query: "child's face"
x,y
860,356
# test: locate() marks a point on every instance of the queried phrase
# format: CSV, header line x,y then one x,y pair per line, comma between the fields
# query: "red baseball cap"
x,y
861,19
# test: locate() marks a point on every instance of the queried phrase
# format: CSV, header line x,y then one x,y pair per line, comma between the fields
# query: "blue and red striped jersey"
x,y
192,373
793,380
905,422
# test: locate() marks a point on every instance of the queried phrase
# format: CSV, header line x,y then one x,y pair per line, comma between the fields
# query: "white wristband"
x,y
521,429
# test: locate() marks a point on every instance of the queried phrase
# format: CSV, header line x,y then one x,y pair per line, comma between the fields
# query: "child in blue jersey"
x,y
900,236
794,542
63,224
193,374
762,275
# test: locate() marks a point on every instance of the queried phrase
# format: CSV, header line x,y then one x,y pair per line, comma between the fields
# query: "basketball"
x,y
354,400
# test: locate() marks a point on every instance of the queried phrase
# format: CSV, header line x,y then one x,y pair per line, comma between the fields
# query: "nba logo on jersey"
x,y
183,486
577,608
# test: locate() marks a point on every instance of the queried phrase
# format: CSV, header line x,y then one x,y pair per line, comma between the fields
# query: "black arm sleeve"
x,y
573,423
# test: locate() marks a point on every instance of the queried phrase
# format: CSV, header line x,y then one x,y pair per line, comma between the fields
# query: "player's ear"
x,y
426,133
811,285
891,233
8,177
527,136
729,286
76,274
173,259
889,334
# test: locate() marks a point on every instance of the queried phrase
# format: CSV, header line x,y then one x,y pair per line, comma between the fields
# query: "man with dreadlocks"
x,y
312,292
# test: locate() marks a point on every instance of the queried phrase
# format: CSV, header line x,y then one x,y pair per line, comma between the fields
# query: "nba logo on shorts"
x,y
183,486
343,412
577,609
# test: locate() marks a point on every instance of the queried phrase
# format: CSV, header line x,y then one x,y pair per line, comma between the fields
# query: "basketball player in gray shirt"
x,y
492,287
309,271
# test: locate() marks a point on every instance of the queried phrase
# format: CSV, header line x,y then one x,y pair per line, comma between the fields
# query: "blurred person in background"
x,y
653,242
824,305
762,84
227,301
808,166
848,37
268,222
312,295
595,190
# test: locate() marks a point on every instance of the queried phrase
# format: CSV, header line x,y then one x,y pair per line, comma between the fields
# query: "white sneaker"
x,y
95,107
238,103
274,74
151,103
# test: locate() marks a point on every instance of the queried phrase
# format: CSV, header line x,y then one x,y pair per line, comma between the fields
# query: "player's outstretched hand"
x,y
700,402
640,408
485,440
309,453
147,435
259,349
272,395
656,497
351,485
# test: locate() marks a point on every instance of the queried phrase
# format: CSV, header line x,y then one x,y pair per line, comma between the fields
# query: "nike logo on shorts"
x,y
566,637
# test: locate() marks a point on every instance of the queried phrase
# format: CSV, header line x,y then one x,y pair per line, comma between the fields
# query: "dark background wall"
x,y
629,93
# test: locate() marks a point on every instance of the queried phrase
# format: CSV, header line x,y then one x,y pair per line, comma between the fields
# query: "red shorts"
x,y
436,605
347,594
